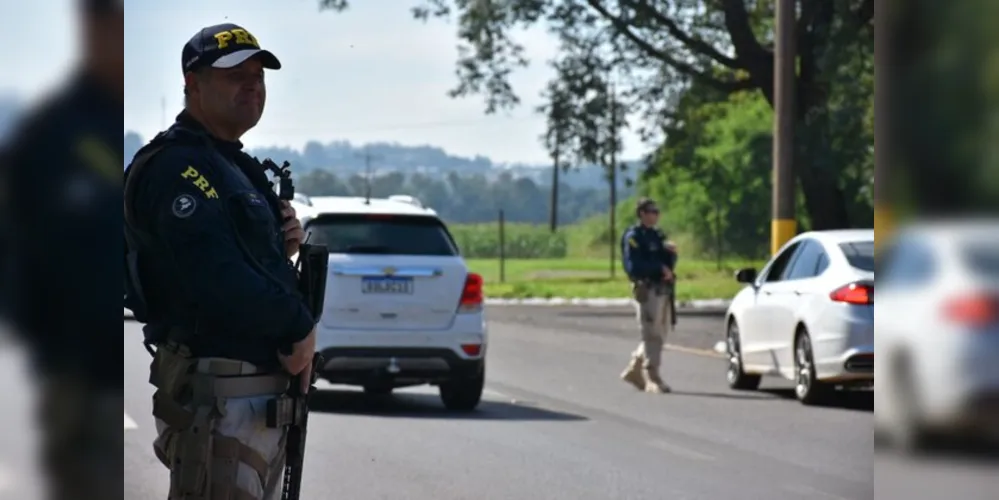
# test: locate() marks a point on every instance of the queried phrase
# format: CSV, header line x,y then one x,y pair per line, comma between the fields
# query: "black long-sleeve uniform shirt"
x,y
217,267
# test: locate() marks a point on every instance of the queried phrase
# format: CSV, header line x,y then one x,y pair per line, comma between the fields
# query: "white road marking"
x,y
706,353
492,393
496,394
129,423
681,451
808,491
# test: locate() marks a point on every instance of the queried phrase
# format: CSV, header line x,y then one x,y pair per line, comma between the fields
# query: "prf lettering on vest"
x,y
200,182
242,37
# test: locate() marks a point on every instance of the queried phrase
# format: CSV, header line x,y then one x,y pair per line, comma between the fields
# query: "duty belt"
x,y
218,378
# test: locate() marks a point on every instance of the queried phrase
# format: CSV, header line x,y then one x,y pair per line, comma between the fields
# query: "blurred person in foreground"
x,y
61,181
649,261
213,245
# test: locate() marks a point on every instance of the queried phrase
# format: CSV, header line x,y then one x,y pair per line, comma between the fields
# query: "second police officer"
x,y
650,261
221,307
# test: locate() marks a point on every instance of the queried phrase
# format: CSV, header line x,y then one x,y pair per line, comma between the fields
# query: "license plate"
x,y
387,286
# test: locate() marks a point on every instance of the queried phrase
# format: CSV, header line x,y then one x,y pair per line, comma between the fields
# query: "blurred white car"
x,y
402,308
808,316
938,333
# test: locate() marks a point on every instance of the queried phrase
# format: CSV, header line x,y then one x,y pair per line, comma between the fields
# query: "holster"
x,y
640,289
190,399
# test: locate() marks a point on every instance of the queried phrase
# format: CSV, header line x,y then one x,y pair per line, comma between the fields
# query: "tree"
x,y
662,46
557,129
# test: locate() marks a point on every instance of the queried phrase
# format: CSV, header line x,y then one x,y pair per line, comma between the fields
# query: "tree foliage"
x,y
658,48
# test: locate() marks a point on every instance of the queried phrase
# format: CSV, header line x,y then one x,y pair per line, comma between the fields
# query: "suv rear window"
x,y
382,235
983,259
860,254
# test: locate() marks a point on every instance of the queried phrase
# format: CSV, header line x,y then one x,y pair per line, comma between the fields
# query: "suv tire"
x,y
463,394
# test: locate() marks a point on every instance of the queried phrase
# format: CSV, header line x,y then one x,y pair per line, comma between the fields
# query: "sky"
x,y
370,74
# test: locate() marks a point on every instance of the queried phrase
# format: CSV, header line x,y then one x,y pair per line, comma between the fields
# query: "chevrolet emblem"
x,y
389,271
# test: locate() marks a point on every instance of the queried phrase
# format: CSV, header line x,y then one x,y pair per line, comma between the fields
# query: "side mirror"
x,y
746,275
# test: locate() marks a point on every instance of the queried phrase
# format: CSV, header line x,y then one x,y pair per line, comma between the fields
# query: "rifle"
x,y
313,260
291,409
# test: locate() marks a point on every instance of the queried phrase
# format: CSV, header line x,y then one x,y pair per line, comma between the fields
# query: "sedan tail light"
x,y
974,310
858,294
472,296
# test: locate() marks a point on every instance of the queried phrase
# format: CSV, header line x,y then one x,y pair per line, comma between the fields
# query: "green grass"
x,y
590,278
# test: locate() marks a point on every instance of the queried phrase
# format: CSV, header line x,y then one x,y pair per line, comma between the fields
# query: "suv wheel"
x,y
463,394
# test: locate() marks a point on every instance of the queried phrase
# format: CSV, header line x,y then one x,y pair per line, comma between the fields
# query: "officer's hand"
x,y
294,235
301,354
667,274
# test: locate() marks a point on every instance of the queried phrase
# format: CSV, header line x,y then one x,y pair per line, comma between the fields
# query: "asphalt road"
x,y
694,331
558,424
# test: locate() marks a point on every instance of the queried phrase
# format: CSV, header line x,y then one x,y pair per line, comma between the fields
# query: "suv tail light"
x,y
858,294
975,310
472,295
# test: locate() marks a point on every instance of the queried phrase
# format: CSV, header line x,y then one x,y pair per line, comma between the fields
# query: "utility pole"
x,y
612,96
783,225
882,108
368,158
557,165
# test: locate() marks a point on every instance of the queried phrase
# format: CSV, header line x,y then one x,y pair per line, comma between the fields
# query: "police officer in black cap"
x,y
61,200
650,260
210,247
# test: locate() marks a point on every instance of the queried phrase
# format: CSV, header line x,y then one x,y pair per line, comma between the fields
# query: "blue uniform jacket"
x,y
644,253
218,268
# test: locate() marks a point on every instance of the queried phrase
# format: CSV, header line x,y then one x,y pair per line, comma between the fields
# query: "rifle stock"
x,y
313,266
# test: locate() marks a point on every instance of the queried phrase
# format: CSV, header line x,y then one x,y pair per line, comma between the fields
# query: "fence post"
x,y
502,246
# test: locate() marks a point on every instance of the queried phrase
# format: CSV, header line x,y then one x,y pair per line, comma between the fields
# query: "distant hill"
x,y
461,189
345,159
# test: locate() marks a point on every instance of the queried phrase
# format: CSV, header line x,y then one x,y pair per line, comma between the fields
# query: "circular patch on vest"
x,y
183,206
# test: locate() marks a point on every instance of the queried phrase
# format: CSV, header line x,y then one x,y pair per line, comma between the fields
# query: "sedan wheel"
x,y
807,389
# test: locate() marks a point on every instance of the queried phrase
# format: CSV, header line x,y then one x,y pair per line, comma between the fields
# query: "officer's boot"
x,y
633,374
653,383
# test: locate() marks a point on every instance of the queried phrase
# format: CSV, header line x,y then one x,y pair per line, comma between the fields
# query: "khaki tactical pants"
x,y
79,446
213,434
655,318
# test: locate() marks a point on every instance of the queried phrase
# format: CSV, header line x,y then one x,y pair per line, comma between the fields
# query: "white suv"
x,y
402,309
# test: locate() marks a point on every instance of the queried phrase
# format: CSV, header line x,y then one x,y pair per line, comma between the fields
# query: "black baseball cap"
x,y
224,46
647,205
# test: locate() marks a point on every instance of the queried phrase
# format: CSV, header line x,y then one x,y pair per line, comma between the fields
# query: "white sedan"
x,y
808,316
